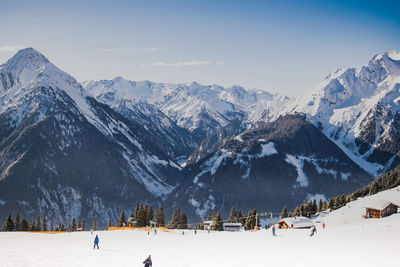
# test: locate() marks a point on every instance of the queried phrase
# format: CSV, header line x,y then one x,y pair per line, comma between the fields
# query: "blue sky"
x,y
278,46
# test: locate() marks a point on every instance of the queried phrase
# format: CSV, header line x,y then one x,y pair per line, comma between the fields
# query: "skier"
x,y
313,231
323,225
195,231
273,230
148,231
96,242
183,232
155,231
148,262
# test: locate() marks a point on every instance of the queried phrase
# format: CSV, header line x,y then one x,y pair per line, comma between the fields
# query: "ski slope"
x,y
347,240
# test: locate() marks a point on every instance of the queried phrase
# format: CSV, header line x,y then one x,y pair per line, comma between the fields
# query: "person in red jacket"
x,y
323,225
148,262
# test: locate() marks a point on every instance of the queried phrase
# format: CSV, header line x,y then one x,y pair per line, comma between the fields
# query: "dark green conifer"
x,y
184,222
284,213
9,225
174,224
160,218
218,224
122,220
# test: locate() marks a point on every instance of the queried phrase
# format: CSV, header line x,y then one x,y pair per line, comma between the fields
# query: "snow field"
x,y
370,243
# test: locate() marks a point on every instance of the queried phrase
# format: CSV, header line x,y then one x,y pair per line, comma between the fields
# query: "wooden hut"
x,y
295,223
378,208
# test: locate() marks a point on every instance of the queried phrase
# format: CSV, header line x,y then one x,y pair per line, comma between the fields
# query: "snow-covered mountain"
x,y
198,108
279,163
66,155
358,109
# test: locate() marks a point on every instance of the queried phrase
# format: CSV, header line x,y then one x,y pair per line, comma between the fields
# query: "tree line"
x,y
389,180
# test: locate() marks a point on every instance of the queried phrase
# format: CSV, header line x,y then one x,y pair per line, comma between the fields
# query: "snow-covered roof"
x,y
378,204
209,222
233,224
298,222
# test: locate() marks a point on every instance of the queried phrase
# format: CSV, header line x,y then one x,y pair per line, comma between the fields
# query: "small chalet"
x,y
208,225
295,223
378,208
232,227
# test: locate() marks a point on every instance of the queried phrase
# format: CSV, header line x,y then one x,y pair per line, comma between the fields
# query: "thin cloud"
x,y
152,49
10,48
129,49
184,63
105,50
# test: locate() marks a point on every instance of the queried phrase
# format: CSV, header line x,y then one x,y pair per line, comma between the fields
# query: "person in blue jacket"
x,y
96,242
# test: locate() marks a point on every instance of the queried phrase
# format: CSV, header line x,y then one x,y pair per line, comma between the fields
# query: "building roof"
x,y
378,204
233,224
298,222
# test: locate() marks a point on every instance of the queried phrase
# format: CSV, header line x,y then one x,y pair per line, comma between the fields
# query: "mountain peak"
x,y
26,60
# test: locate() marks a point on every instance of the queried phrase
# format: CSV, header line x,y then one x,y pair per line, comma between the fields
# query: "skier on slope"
x,y
273,230
148,262
96,242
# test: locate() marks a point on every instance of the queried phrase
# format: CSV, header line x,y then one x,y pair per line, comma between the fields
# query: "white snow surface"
x,y
336,245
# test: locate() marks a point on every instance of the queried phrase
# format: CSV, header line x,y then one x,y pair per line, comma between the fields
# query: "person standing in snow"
x,y
323,225
148,262
96,242
273,230
195,231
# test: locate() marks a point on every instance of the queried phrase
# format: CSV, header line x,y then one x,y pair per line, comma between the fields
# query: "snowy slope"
x,y
354,211
348,245
198,108
358,108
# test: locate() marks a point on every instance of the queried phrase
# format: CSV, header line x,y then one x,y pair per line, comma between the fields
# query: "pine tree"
x,y
141,216
184,221
109,223
320,205
284,213
17,223
44,223
73,225
255,222
9,225
122,221
24,226
331,204
296,211
218,224
232,218
249,222
241,218
83,225
201,224
160,219
174,224
150,214
94,227
137,212
38,225
32,226
209,217
51,226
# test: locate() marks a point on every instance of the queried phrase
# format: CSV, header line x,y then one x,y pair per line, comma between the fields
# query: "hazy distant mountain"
x,y
200,109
